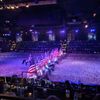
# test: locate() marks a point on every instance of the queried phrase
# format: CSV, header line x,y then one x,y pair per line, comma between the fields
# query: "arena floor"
x,y
11,64
74,67
78,68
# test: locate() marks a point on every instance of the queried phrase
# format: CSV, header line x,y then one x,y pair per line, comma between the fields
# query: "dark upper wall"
x,y
34,15
53,14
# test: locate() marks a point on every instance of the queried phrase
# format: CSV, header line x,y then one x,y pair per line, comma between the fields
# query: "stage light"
x,y
62,31
30,94
86,26
27,6
8,7
94,14
92,30
12,7
30,30
77,30
17,7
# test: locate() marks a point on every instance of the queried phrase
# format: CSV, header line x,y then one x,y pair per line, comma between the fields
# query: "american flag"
x,y
32,70
54,54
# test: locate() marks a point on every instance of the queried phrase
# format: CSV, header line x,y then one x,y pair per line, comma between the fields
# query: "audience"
x,y
83,47
45,89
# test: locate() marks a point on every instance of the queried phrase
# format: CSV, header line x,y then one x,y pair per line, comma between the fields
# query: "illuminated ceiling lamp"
x,y
30,30
8,7
94,14
27,5
86,26
62,31
12,7
16,6
92,30
77,30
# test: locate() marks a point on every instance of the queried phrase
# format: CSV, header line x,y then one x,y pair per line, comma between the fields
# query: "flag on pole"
x,y
32,70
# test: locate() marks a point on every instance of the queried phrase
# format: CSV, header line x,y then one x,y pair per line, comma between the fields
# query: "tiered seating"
x,y
84,47
42,89
37,46
4,47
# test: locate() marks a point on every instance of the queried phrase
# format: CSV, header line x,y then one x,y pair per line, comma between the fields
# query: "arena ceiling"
x,y
61,9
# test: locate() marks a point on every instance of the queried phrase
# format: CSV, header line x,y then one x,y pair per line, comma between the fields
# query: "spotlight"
x,y
94,14
30,30
27,6
76,30
17,7
86,26
62,31
12,7
92,30
30,94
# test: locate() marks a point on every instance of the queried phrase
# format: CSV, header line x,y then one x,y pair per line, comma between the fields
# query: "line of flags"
x,y
42,65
